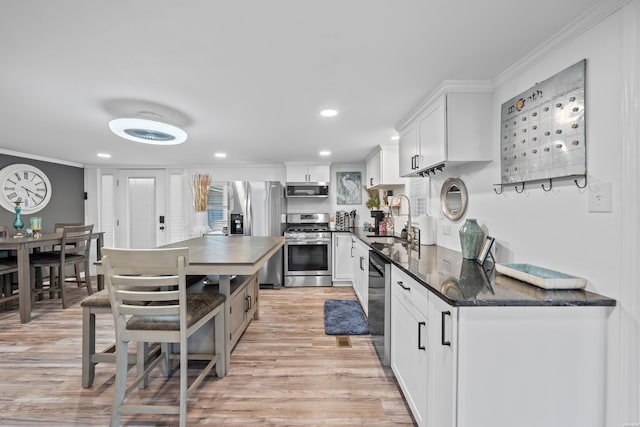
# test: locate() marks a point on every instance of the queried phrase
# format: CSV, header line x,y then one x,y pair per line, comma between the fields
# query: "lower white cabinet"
x,y
409,342
341,257
360,266
497,366
442,355
242,307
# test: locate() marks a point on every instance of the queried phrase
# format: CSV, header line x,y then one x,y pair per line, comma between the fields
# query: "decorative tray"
x,y
541,277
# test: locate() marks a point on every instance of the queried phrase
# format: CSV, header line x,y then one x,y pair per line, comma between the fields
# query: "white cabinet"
x,y
452,128
360,265
308,173
408,149
442,354
341,256
243,306
382,167
409,341
545,364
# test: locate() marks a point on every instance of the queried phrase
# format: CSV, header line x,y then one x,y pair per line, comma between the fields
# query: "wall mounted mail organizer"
x,y
542,131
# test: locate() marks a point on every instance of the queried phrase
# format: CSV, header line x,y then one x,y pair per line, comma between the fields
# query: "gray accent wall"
x,y
67,194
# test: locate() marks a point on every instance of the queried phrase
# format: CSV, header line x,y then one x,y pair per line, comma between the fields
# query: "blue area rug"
x,y
344,317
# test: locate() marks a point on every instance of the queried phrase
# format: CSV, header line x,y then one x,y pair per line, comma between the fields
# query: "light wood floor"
x,y
284,372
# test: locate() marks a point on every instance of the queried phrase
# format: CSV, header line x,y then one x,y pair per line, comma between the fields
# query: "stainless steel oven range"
x,y
307,250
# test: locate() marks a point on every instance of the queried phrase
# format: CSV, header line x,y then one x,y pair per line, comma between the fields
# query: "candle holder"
x,y
17,223
36,226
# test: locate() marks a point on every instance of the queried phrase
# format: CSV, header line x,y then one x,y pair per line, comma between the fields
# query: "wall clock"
x,y
26,184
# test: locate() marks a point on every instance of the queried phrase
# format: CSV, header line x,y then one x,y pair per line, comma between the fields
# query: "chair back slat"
x,y
151,295
150,310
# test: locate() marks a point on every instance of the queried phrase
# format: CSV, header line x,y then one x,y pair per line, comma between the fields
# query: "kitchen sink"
x,y
387,240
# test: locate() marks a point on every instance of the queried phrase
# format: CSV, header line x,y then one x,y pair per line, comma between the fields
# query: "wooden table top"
x,y
229,254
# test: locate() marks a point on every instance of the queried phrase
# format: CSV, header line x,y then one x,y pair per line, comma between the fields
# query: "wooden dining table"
x,y
23,246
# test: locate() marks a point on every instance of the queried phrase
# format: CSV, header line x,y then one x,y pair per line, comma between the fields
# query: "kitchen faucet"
x,y
409,226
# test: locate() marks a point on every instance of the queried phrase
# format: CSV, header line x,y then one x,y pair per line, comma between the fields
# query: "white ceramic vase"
x,y
201,226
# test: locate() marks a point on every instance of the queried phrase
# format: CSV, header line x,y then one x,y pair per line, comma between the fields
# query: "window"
x,y
217,207
419,195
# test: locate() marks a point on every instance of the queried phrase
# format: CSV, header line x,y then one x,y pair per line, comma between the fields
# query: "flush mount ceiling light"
x,y
325,153
328,113
148,131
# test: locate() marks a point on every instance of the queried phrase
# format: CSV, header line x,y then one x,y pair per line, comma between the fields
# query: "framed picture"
x,y
349,188
485,251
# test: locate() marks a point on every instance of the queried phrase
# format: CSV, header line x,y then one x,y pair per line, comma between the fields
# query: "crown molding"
x,y
41,158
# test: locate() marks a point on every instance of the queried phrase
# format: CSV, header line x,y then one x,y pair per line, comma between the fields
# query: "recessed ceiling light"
x,y
325,153
395,137
220,155
104,155
148,131
328,113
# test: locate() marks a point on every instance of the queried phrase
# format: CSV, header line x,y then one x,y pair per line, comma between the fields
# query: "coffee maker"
x,y
377,216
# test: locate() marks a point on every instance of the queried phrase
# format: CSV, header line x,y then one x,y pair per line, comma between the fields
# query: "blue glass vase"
x,y
471,238
17,223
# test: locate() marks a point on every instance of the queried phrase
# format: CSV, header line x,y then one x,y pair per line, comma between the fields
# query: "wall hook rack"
x,y
550,185
497,185
521,191
581,186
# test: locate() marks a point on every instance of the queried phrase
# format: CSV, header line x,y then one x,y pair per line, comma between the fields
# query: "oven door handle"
x,y
309,242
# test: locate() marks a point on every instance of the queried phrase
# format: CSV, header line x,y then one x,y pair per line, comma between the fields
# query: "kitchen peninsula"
x,y
226,257
473,348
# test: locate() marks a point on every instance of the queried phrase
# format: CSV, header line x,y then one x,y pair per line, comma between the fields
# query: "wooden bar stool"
x,y
94,304
169,315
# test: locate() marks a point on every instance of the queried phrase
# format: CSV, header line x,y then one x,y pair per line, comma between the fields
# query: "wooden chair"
x,y
8,268
74,250
156,278
57,228
96,303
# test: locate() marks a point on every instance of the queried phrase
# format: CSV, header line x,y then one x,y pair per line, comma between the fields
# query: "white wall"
x,y
555,229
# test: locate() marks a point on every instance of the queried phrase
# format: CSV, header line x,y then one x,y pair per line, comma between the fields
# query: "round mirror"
x,y
453,198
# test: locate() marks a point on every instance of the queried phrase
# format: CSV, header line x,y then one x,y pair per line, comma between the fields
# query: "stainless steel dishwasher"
x,y
380,306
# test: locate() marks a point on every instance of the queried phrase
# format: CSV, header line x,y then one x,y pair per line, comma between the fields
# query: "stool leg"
x,y
88,346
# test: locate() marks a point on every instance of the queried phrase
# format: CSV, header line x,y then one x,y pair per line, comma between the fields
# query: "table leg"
x,y
24,283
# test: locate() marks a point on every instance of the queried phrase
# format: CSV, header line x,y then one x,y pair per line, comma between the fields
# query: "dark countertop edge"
x,y
599,301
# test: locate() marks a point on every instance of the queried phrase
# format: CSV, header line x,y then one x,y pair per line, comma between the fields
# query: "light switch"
x,y
600,197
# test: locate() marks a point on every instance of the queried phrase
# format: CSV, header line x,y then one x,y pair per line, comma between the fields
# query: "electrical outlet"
x,y
446,229
600,197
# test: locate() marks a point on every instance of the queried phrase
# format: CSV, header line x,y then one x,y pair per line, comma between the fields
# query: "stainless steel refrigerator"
x,y
259,208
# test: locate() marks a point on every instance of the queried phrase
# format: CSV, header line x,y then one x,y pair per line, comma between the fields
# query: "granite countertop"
x,y
462,282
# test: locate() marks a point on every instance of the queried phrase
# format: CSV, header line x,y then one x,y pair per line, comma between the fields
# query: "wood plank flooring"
x,y
284,372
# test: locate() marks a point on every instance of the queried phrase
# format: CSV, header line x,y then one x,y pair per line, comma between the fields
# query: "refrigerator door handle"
x,y
248,224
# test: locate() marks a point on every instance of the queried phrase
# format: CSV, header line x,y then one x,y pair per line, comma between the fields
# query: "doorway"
x,y
141,209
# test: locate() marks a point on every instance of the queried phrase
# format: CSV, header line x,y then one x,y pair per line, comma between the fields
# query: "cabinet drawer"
x,y
410,290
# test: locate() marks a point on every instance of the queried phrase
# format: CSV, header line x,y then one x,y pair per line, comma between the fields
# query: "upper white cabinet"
x,y
452,127
382,167
308,173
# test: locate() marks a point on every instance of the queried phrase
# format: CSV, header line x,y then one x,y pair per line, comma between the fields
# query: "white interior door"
x,y
141,209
